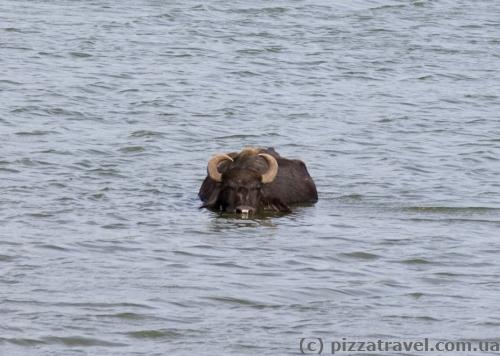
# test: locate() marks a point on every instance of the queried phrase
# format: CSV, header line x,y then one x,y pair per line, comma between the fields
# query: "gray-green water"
x,y
110,110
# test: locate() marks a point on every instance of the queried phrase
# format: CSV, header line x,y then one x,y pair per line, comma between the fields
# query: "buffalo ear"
x,y
212,202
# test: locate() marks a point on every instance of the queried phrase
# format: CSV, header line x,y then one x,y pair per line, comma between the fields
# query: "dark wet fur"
x,y
292,185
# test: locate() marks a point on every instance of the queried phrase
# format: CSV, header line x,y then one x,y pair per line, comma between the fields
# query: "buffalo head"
x,y
239,180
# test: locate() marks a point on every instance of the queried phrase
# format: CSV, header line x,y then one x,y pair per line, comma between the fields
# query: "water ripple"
x,y
109,114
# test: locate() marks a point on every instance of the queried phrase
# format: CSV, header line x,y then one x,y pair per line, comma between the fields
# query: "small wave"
x,y
21,341
273,10
35,133
53,247
156,334
361,255
241,136
6,258
245,73
11,82
107,172
88,305
13,29
79,341
458,220
126,316
132,149
58,152
350,197
416,295
115,226
450,209
228,265
415,261
146,133
80,54
40,215
243,302
9,170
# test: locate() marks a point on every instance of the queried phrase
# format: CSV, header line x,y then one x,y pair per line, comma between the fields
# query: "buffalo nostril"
x,y
244,210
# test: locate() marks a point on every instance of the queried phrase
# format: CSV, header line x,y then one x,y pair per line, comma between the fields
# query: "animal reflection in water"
x,y
256,180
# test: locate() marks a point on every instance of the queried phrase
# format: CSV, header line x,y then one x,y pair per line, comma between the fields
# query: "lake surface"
x,y
109,112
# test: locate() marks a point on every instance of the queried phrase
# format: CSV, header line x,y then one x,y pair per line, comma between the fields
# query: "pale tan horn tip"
x,y
272,171
213,172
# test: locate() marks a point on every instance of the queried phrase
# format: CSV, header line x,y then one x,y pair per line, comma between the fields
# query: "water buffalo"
x,y
256,179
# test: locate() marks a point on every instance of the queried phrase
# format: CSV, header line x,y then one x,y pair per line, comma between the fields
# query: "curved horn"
x,y
271,173
213,172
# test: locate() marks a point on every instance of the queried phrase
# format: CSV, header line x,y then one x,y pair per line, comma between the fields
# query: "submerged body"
x,y
256,179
